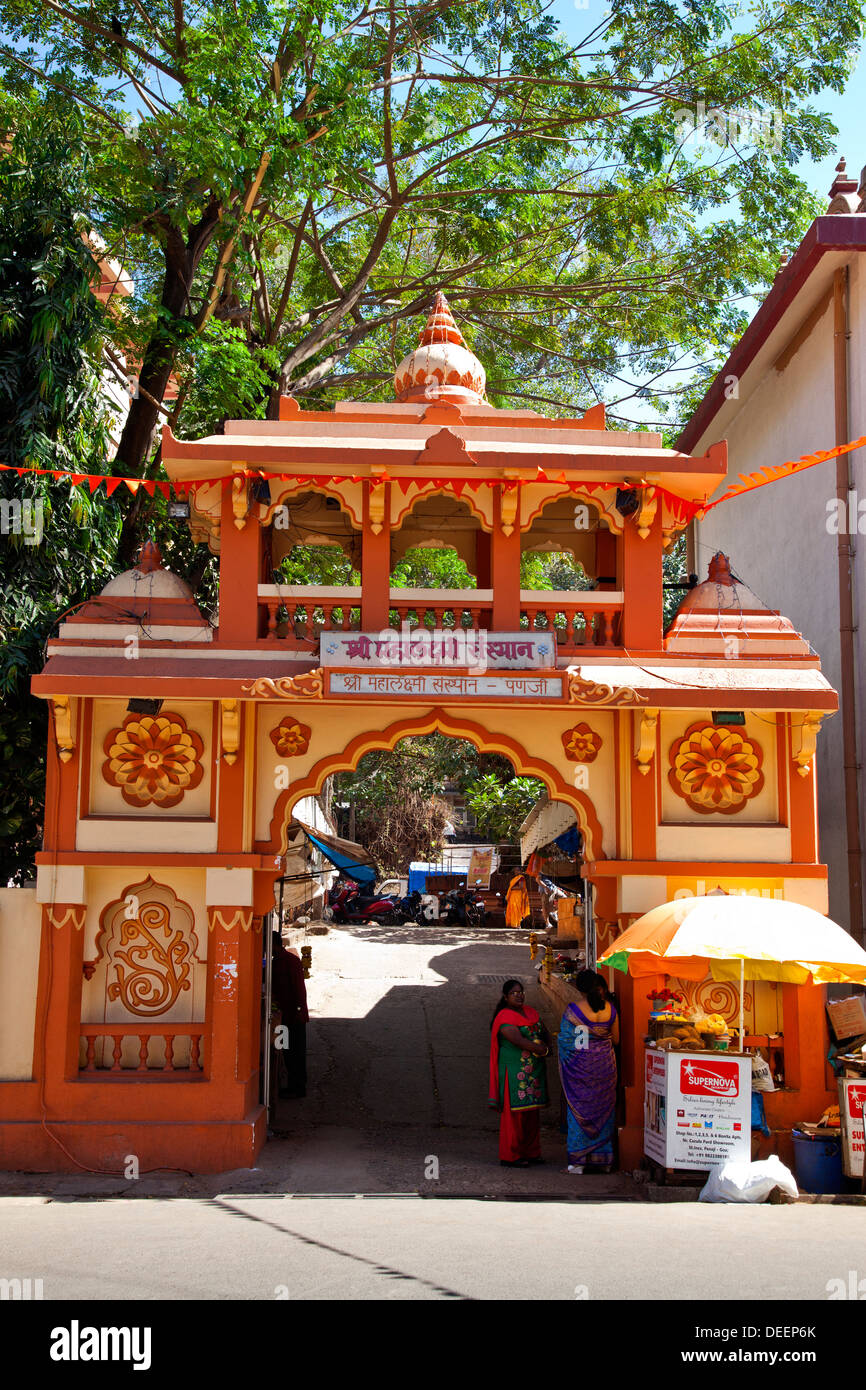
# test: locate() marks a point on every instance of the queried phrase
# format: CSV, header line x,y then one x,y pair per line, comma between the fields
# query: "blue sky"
x,y
848,110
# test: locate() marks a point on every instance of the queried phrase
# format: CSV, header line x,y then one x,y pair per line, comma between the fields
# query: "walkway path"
x,y
398,1057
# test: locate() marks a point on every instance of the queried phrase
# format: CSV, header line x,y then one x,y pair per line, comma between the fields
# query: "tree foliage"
x,y
405,828
57,545
390,789
305,175
501,807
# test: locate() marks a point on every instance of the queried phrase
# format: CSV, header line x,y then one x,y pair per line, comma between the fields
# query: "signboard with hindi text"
x,y
470,649
452,686
480,868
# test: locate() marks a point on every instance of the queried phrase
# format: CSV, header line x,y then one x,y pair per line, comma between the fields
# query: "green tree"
x,y
501,807
310,173
57,544
389,791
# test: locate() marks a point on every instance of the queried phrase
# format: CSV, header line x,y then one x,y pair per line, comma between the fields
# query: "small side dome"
x,y
148,593
441,367
844,194
148,580
723,617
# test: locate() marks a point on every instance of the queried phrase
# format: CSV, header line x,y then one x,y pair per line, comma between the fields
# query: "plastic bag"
x,y
762,1077
739,1181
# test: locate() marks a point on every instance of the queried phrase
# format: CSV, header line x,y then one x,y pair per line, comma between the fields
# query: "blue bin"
x,y
818,1163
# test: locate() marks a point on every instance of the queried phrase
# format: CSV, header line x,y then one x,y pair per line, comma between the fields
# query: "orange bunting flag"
x,y
750,481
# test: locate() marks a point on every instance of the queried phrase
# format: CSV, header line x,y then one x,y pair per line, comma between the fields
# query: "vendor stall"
x,y
697,1108
698,1089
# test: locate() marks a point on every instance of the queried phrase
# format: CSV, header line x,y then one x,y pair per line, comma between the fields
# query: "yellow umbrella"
x,y
738,937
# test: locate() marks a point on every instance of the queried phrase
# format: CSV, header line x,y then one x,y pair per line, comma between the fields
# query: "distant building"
x,y
796,383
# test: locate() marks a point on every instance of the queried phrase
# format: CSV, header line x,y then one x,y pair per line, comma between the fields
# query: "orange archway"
x,y
453,725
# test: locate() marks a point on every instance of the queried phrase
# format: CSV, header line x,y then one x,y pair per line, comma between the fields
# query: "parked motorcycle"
x,y
410,908
461,908
349,904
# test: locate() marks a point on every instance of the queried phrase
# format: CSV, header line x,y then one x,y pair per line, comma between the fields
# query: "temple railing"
x,y
298,615
122,1058
579,619
469,609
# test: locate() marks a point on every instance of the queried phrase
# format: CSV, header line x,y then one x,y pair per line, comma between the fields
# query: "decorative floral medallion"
x,y
715,769
581,744
290,738
148,938
153,761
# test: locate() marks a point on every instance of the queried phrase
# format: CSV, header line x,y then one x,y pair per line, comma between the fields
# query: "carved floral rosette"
x,y
290,738
715,770
581,744
153,760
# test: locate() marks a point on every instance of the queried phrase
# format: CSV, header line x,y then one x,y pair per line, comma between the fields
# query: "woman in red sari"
x,y
518,1077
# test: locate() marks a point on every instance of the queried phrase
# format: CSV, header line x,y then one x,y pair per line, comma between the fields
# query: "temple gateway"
x,y
179,745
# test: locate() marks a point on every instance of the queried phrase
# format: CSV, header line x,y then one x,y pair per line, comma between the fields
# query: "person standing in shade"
x,y
519,1042
290,994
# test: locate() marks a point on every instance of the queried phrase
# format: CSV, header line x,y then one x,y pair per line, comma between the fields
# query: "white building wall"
x,y
778,538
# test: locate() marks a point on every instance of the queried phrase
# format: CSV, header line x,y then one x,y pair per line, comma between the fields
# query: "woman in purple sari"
x,y
587,1068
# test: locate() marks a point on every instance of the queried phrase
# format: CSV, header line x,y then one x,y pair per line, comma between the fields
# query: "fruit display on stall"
x,y
714,1023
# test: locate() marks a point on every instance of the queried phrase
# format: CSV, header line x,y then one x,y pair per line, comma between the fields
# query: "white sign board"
x,y
473,649
852,1097
426,683
697,1108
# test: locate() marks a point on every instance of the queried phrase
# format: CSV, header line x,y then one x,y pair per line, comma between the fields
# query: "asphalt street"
x,y
384,1183
258,1247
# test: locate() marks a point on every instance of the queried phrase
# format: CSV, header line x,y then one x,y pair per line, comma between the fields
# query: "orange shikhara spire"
x,y
441,367
440,326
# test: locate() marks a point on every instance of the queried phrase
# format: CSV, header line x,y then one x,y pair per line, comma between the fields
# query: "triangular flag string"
x,y
680,507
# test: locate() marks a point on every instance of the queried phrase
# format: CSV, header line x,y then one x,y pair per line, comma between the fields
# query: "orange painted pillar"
x,y
240,569
482,559
605,559
63,949
225,989
61,784
232,834
505,562
376,558
642,587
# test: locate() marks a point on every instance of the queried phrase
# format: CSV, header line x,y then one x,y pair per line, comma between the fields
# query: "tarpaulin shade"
x,y
345,855
418,874
569,843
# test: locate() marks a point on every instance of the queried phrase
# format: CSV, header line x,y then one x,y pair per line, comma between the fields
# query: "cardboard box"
x,y
569,918
848,1016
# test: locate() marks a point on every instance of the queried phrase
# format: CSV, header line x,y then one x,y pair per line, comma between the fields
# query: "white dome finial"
x,y
441,367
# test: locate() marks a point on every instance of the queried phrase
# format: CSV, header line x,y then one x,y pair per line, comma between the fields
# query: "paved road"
x,y
398,1062
257,1247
